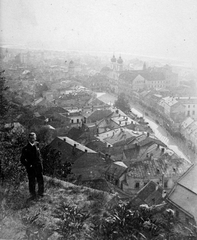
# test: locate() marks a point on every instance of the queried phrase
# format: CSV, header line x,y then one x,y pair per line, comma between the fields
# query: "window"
x,y
188,106
193,112
137,185
77,120
188,113
177,214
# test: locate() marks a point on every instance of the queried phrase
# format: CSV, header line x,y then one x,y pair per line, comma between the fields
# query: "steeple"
x,y
113,63
120,64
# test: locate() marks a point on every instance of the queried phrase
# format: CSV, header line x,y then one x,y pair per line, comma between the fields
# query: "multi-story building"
x,y
190,104
128,81
173,108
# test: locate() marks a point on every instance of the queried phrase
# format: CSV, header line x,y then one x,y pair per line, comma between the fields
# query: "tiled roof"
x,y
153,75
74,133
153,168
89,160
116,152
97,145
117,135
123,120
138,77
99,114
96,102
143,140
149,192
121,135
128,76
151,140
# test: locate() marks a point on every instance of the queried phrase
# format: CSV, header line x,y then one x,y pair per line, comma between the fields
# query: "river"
x,y
158,130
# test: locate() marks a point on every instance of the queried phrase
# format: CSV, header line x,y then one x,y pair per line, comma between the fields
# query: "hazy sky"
x,y
161,28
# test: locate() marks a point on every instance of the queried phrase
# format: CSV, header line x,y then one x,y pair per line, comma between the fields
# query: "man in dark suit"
x,y
31,159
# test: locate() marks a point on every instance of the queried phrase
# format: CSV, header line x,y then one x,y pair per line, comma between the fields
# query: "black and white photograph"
x,y
98,120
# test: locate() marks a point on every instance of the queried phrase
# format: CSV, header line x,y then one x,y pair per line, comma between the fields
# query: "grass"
x,y
39,219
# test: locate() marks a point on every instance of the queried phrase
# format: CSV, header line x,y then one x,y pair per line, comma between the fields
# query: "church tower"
x,y
119,64
113,63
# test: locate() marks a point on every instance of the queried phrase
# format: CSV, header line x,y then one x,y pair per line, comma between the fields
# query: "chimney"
x,y
162,151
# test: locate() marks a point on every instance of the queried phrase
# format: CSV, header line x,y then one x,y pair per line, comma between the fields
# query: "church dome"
x,y
120,61
113,59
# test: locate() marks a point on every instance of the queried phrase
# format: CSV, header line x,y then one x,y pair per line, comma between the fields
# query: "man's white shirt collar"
x,y
32,144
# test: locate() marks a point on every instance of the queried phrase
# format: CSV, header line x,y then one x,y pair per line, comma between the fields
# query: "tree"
x,y
4,105
11,170
125,221
122,103
52,163
45,135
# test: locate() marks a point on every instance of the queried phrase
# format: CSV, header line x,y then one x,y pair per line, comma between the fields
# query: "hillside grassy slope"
x,y
65,208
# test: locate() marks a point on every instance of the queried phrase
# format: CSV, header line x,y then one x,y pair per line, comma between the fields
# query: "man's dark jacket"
x,y
31,157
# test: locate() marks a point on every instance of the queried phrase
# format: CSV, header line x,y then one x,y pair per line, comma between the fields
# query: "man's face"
x,y
32,138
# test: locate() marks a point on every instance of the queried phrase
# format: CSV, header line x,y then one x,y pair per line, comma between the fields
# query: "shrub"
x,y
72,221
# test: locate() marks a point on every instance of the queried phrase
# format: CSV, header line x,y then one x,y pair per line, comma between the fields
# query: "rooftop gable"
x,y
98,114
189,179
138,78
155,167
148,190
89,160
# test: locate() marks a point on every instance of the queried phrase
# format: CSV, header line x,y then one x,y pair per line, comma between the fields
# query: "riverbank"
x,y
177,145
148,115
